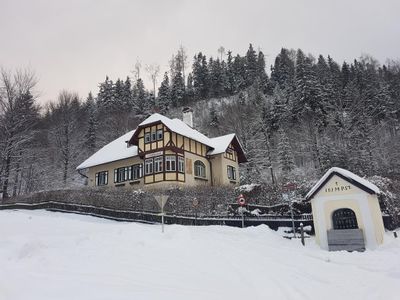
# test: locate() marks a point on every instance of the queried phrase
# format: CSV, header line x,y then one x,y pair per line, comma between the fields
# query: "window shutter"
x,y
106,179
115,175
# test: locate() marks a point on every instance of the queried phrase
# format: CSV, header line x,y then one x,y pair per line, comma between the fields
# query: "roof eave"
x,y
354,182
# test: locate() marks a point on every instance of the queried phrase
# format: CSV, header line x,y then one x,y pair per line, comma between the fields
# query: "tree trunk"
x,y
6,175
16,178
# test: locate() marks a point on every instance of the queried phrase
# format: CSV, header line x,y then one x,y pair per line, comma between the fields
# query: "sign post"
x,y
242,203
162,200
288,196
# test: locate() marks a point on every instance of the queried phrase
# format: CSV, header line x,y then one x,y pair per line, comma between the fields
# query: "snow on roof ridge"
x,y
347,174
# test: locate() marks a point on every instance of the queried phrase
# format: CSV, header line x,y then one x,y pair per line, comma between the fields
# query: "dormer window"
x,y
153,136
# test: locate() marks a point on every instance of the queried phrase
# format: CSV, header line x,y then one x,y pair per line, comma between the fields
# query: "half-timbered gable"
x,y
165,151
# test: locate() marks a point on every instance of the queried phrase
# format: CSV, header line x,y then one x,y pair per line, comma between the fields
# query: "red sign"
x,y
241,200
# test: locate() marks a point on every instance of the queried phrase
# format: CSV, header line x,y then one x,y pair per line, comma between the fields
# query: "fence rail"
x,y
273,221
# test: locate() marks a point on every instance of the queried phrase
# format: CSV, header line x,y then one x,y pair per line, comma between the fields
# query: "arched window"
x,y
344,218
199,169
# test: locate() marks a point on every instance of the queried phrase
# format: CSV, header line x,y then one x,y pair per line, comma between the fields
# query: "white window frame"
x,y
160,134
181,164
149,168
158,164
170,163
104,175
200,169
137,170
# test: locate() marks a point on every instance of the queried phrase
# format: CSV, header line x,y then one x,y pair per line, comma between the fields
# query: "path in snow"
x,y
46,255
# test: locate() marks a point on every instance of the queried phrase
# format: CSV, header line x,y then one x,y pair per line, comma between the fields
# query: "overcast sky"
x,y
73,44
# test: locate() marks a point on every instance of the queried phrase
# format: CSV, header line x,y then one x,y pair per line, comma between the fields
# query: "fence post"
x,y
302,233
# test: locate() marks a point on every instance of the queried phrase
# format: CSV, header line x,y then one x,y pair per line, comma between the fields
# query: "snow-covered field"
x,y
46,255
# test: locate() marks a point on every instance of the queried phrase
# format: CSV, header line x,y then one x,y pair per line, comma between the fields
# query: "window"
x,y
199,169
148,166
153,136
181,164
128,173
344,218
102,178
147,137
158,164
159,134
231,173
170,163
137,171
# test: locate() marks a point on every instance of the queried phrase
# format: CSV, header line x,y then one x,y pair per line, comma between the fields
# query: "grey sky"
x,y
74,44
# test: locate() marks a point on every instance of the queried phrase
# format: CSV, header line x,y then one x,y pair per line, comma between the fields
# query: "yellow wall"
x,y
193,151
110,168
220,172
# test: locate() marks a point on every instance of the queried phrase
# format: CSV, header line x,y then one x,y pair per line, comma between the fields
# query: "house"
x,y
346,212
162,152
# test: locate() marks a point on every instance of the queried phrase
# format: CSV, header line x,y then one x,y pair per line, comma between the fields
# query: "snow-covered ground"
x,y
46,255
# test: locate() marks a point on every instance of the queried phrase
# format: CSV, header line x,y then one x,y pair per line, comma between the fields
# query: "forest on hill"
x,y
305,115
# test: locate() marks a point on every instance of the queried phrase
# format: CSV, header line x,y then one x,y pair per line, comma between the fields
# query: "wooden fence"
x,y
273,221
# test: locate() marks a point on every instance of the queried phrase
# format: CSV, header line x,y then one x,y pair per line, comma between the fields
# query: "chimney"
x,y
187,113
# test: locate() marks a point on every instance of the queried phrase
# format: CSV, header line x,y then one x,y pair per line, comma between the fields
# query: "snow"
x,y
247,187
346,174
45,255
116,150
221,143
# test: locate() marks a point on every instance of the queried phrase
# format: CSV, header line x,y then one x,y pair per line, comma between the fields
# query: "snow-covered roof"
x,y
221,143
116,150
351,177
178,126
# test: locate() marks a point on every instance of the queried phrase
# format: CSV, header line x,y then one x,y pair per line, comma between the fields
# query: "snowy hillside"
x,y
47,255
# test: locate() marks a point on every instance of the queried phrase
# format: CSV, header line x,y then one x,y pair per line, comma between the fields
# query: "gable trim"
x,y
349,180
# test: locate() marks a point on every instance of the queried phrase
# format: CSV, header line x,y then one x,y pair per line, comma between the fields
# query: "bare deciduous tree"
x,y
18,114
154,72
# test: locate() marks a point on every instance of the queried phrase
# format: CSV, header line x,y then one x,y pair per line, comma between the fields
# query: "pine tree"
x,y
216,78
239,73
127,99
230,75
164,95
91,131
262,76
140,99
251,66
105,97
177,90
283,71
